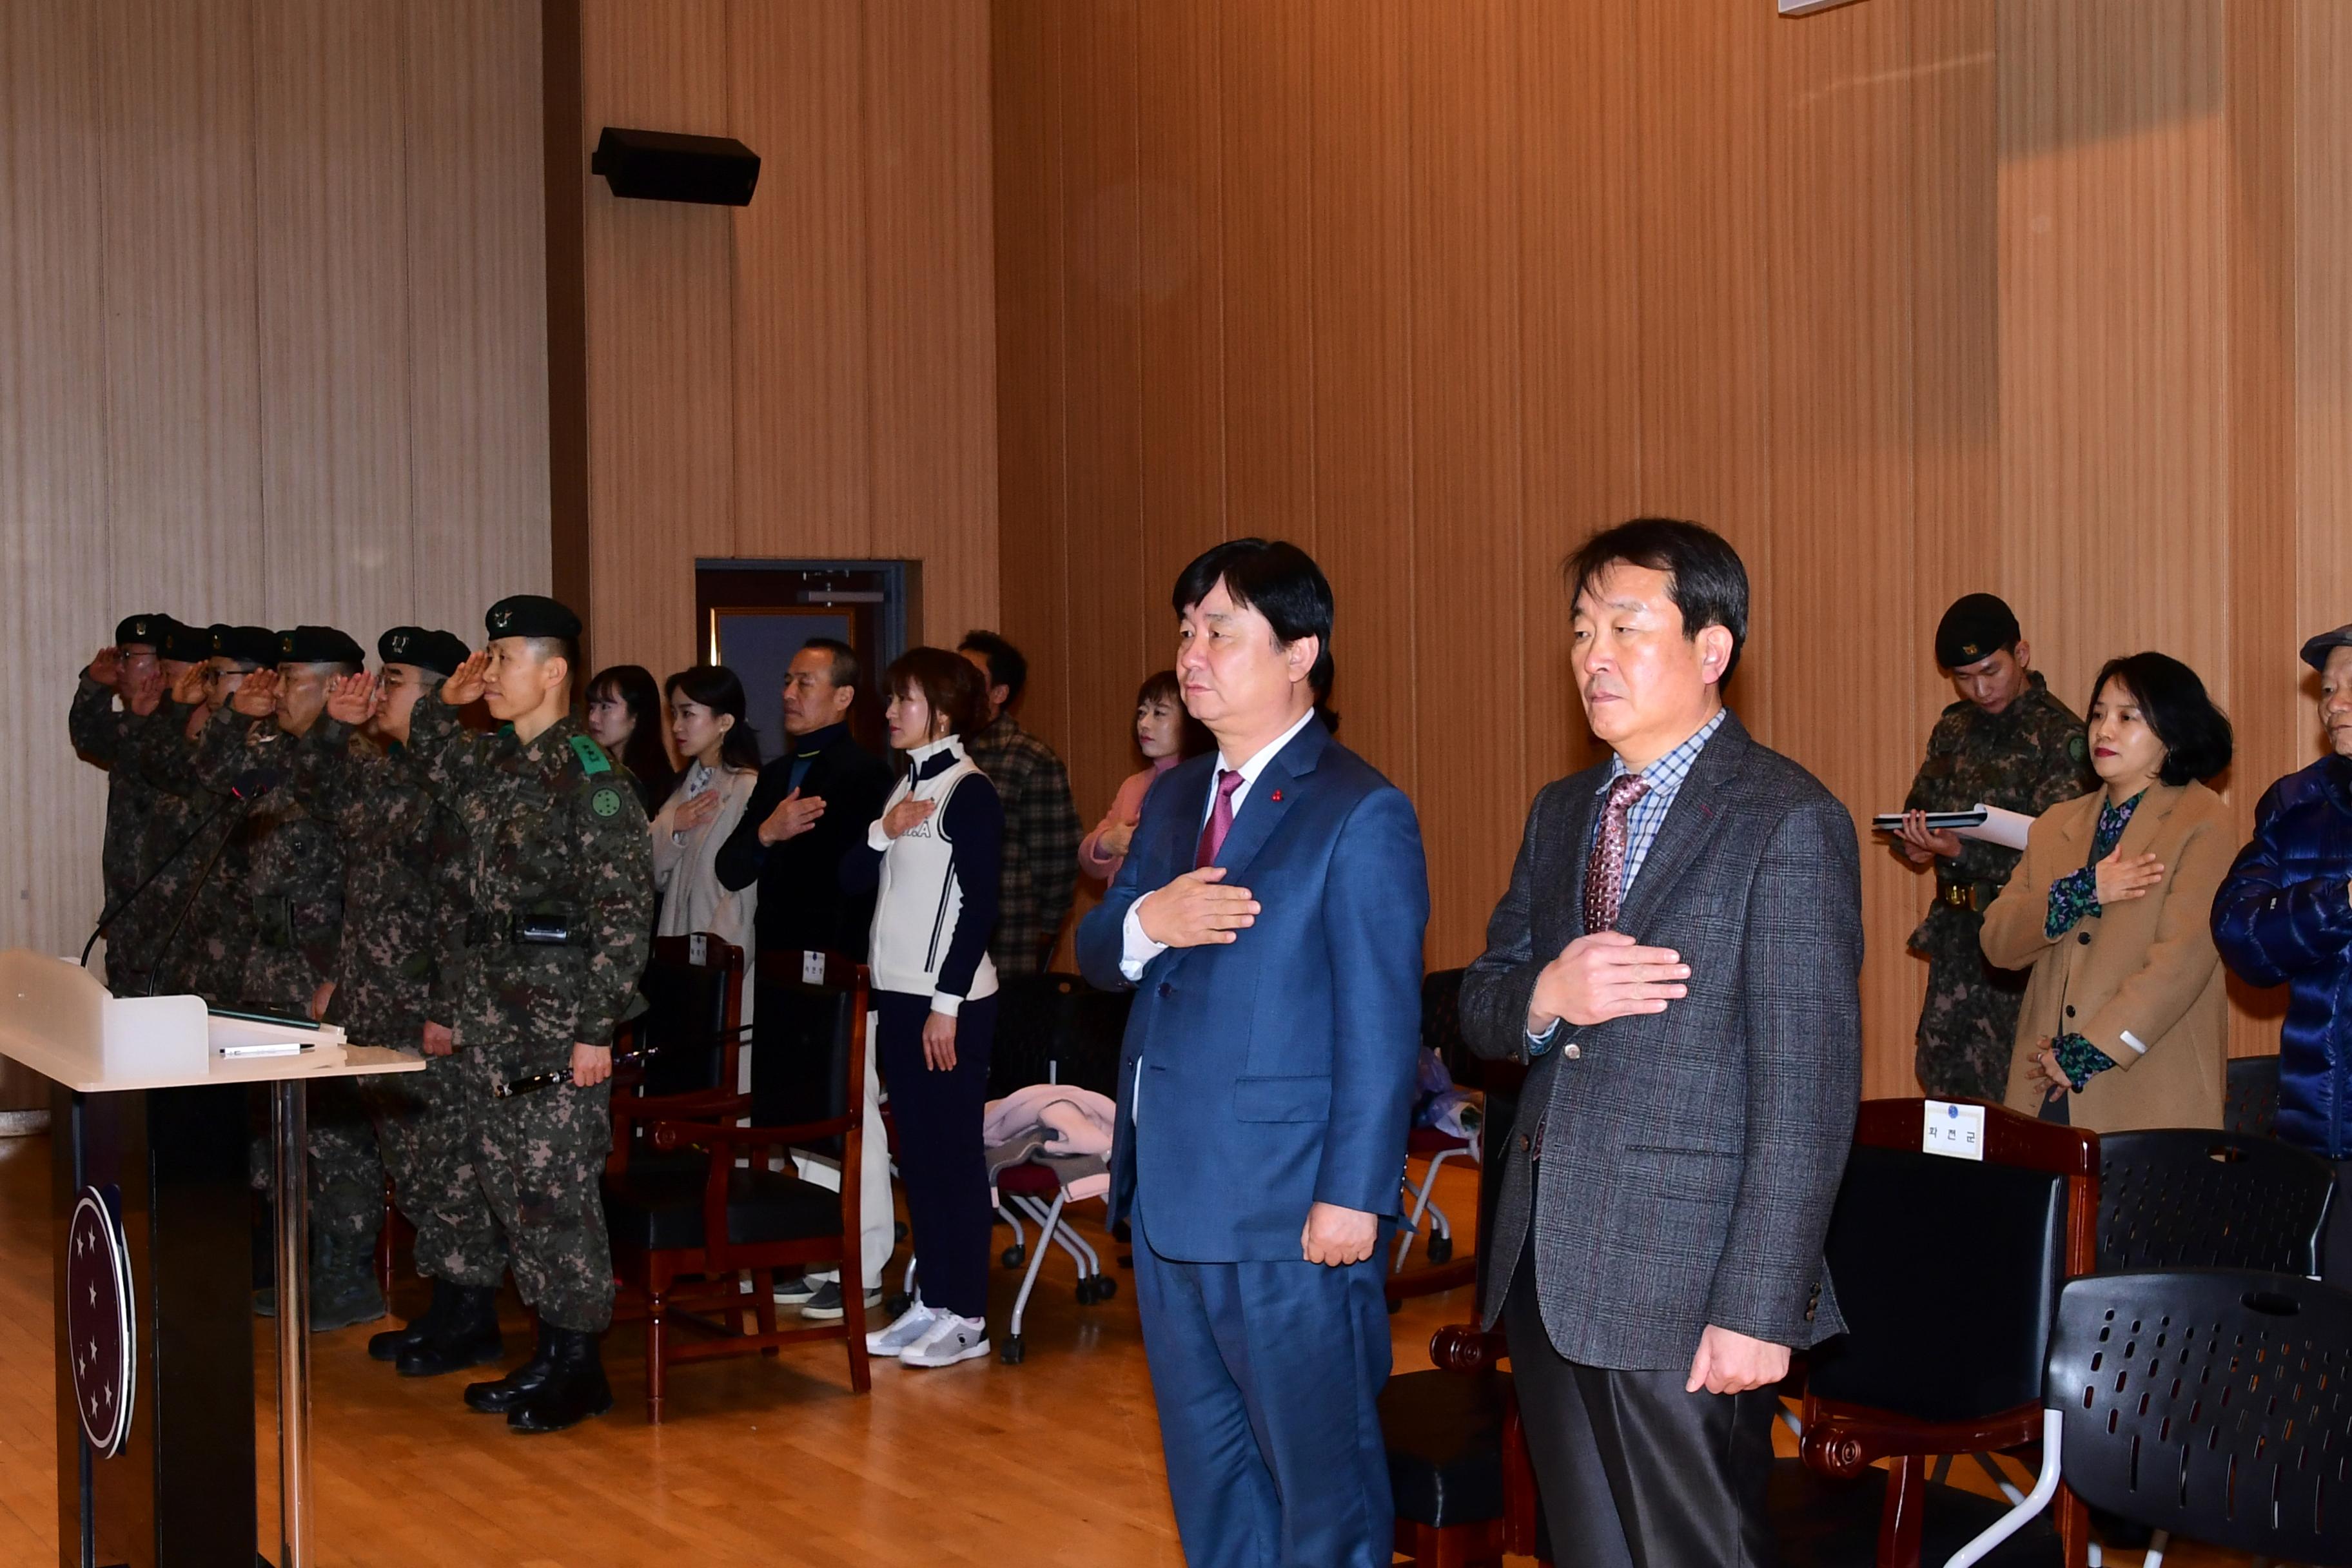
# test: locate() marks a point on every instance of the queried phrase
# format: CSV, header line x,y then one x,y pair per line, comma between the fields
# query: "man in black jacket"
x,y
812,804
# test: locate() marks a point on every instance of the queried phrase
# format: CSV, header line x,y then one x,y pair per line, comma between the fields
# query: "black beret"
x,y
318,645
145,631
440,652
2315,651
254,646
1977,627
186,644
530,615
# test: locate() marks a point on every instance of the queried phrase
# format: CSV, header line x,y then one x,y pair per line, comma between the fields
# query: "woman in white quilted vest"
x,y
937,850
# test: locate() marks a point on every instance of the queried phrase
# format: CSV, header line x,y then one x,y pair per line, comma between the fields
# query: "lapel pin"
x,y
1275,796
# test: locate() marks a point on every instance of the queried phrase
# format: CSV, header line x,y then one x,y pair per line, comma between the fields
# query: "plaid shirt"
x,y
1649,813
1040,842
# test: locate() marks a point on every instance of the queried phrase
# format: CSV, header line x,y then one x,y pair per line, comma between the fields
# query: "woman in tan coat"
x,y
2124,1023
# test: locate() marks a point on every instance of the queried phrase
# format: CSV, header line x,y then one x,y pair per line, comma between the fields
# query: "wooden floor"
x,y
1055,1462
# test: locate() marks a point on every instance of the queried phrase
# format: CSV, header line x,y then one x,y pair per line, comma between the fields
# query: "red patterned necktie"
x,y
1220,819
1604,873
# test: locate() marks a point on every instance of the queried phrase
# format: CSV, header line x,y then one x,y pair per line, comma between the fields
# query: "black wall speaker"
x,y
662,166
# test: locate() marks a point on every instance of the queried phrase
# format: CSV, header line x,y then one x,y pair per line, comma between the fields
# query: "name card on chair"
x,y
1956,1132
812,968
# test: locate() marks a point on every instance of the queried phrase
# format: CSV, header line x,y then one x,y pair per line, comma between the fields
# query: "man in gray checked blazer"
x,y
1678,960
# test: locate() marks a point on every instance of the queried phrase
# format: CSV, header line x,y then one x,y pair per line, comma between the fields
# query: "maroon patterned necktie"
x,y
1604,873
1220,819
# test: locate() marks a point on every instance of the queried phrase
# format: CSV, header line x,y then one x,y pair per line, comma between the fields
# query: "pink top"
x,y
1126,809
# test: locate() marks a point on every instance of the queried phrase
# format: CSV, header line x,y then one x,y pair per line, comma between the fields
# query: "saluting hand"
x,y
794,815
106,666
466,683
1197,910
1606,975
256,695
352,699
189,688
143,692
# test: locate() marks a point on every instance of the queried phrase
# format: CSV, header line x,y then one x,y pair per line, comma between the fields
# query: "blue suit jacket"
x,y
1277,1070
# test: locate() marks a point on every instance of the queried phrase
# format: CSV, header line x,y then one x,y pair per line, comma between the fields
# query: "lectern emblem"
x,y
97,1314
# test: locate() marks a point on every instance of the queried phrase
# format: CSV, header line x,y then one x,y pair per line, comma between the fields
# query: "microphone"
x,y
249,786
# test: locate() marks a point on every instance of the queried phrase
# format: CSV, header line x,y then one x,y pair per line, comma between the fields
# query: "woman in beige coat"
x,y
722,768
2124,1023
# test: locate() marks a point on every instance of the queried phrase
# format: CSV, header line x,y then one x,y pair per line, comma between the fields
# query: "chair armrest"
x,y
720,1103
1841,1441
1463,1347
668,1133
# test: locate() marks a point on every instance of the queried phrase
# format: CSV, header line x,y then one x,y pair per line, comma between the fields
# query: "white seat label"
x,y
1956,1131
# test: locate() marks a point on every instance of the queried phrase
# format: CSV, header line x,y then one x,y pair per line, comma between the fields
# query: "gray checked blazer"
x,y
1678,1169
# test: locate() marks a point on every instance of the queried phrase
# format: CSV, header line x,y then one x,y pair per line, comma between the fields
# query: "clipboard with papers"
x,y
1987,824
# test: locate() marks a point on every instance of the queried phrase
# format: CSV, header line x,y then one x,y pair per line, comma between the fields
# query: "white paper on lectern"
x,y
2006,828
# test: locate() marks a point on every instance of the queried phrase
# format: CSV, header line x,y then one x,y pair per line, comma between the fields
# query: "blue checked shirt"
x,y
1642,821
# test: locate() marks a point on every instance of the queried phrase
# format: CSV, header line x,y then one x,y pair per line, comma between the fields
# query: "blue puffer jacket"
x,y
2283,917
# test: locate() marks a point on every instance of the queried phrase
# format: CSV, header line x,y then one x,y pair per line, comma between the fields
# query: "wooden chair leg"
x,y
763,1305
1899,1521
853,1319
2074,1528
655,1304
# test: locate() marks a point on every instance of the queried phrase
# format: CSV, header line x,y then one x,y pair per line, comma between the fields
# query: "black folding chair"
x,y
2188,1197
2250,1103
2209,1404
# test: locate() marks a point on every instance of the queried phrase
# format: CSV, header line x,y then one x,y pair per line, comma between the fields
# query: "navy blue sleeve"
x,y
974,825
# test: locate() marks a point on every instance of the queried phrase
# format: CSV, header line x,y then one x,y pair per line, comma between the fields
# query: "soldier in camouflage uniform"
x,y
294,893
560,888
404,855
112,738
2007,744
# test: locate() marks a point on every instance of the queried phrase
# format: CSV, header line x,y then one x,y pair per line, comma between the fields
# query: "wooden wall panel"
x,y
1842,443
330,208
811,376
1467,478
476,307
252,375
1909,299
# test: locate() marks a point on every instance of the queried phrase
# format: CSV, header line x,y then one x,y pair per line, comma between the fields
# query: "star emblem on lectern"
x,y
100,1326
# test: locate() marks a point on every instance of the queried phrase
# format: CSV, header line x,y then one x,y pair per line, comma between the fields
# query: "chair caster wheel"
x,y
1086,1292
1395,1307
1440,1248
895,1305
1013,1351
1013,1257
1105,1287
898,1229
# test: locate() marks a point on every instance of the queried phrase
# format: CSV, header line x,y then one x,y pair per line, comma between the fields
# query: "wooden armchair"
x,y
685,1225
1948,1271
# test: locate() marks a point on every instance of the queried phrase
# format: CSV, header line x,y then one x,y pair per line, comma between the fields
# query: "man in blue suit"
x,y
1269,915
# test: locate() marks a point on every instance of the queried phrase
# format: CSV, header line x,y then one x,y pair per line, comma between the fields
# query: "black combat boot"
x,y
343,1289
387,1345
576,1391
468,1336
500,1397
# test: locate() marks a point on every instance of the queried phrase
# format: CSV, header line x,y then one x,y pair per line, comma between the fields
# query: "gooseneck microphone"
x,y
250,786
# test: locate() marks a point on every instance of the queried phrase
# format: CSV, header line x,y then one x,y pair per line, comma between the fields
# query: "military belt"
x,y
1973,897
273,915
534,930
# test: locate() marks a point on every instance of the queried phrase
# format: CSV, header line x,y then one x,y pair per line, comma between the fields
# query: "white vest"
x,y
916,913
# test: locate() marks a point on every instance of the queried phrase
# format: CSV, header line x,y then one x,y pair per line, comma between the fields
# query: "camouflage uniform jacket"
x,y
404,854
294,880
115,738
554,835
2027,758
207,955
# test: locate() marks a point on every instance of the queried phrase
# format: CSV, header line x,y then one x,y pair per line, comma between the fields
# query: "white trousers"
x,y
877,1221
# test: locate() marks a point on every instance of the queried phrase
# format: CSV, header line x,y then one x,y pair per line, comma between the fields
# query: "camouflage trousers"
x,y
1967,1029
422,1132
540,1159
344,1187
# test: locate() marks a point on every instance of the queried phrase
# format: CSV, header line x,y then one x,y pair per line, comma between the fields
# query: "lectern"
x,y
155,1262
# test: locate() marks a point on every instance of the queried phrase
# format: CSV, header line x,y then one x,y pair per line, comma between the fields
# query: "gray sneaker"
x,y
794,1291
826,1305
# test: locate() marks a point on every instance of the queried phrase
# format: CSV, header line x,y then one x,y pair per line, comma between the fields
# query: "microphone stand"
x,y
110,916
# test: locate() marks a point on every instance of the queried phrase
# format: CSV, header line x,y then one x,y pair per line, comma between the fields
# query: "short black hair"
x,y
1276,579
845,670
1006,665
2198,743
1705,577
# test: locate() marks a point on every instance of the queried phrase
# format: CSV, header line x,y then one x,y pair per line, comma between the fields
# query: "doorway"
x,y
754,616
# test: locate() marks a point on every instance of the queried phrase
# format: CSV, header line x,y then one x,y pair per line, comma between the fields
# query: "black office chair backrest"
x,y
685,1021
1056,1028
1441,1023
2212,1404
2250,1096
2185,1198
1947,1273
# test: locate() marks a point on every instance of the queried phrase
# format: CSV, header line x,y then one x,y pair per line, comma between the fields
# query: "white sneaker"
x,y
951,1340
913,1323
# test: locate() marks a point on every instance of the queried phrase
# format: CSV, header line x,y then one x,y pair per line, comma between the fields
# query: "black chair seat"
x,y
1444,1435
1824,1523
657,1205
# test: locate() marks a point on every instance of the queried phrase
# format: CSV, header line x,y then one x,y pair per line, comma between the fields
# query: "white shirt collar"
x,y
1256,765
953,744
